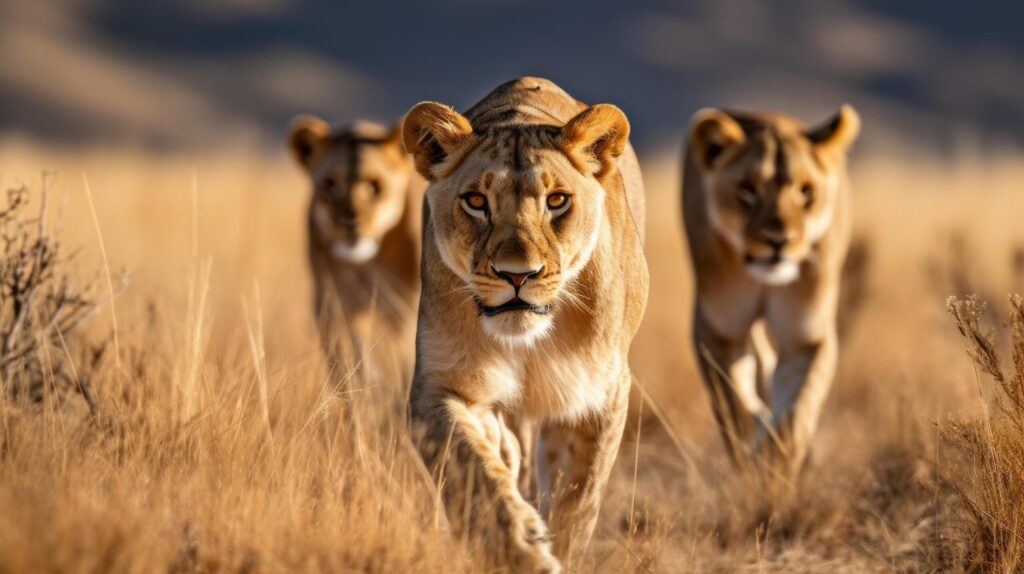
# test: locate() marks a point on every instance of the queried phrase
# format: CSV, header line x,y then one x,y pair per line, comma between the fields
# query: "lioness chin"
x,y
534,284
767,217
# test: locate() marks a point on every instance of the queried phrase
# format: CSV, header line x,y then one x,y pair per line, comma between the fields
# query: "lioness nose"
x,y
517,278
775,240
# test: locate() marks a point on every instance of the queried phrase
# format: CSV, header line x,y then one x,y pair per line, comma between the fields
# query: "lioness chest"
x,y
549,381
800,312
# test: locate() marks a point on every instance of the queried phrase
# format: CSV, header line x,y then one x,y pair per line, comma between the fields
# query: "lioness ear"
x,y
838,133
714,135
432,132
392,141
394,136
306,138
595,137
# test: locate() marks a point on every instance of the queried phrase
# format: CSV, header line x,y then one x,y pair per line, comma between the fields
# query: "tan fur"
x,y
364,234
483,384
761,187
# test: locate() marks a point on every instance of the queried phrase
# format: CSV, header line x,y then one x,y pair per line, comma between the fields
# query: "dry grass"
x,y
222,444
989,476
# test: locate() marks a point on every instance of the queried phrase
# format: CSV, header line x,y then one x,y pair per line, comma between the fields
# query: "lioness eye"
x,y
331,187
747,194
377,189
558,201
475,201
808,194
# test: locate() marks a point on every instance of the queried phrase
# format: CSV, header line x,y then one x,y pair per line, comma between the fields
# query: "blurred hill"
x,y
202,73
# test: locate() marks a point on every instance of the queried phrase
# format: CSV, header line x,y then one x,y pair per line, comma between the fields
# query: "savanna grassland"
x,y
217,440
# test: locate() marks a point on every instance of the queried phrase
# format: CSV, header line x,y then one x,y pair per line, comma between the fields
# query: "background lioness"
x,y
534,284
766,209
364,232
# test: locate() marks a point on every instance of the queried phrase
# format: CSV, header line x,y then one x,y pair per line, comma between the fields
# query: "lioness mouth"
x,y
513,304
770,260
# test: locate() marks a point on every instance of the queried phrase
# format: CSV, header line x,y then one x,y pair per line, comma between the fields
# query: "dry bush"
x,y
990,475
41,308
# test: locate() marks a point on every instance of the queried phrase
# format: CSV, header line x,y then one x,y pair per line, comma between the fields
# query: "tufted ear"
x,y
306,138
595,137
714,136
432,132
837,134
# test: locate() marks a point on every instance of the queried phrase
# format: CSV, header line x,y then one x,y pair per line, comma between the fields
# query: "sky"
x,y
206,73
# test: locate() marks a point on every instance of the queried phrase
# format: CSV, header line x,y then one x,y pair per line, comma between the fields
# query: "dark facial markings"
x,y
783,176
516,147
349,172
776,171
762,192
517,152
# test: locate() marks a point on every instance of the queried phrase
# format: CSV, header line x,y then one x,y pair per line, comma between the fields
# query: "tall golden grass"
x,y
221,441
989,477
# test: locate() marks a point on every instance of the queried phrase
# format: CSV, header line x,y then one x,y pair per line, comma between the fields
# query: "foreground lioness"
x,y
534,283
766,208
364,232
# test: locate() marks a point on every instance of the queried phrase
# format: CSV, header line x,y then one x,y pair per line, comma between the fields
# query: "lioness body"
x,y
364,235
483,381
767,215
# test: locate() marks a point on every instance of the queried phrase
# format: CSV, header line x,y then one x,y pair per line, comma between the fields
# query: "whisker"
x,y
576,299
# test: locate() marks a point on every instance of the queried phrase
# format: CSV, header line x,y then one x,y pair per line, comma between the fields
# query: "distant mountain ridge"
x,y
189,73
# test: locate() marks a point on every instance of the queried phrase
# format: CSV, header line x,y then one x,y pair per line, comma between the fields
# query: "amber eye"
x,y
747,194
808,194
377,189
475,201
332,188
558,201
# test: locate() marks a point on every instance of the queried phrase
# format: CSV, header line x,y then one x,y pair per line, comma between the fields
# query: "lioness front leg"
x,y
575,460
474,457
800,386
336,338
729,368
525,430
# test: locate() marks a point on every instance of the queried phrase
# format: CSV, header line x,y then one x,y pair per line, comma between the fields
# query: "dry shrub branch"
x,y
989,478
41,307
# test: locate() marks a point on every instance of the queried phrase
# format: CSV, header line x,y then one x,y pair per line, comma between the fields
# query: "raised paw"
x,y
531,542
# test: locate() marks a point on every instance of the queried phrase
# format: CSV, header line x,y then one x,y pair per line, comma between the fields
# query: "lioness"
x,y
534,284
364,232
767,215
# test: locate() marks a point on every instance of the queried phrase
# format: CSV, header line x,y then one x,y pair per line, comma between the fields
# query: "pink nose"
x,y
517,279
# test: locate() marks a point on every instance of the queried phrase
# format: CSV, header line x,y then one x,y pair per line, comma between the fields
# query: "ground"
x,y
222,444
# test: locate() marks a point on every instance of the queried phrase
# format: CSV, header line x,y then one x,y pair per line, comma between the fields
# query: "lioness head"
x,y
516,208
360,177
772,185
